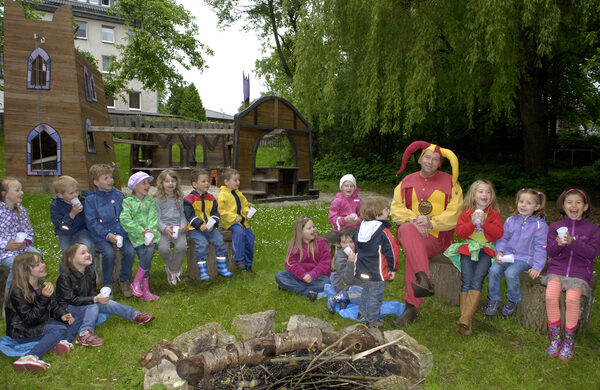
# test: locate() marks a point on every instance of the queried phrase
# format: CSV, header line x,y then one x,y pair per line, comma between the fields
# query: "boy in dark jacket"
x,y
66,212
377,257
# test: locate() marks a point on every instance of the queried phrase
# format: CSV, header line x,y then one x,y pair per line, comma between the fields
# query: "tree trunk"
x,y
533,118
257,350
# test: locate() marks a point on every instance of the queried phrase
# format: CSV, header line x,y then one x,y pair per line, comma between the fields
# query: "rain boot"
x,y
222,267
148,296
555,342
202,268
568,348
136,286
472,302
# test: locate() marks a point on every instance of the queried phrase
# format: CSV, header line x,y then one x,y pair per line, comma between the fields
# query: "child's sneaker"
x,y
30,363
62,348
171,277
125,289
143,318
239,264
89,339
492,307
509,308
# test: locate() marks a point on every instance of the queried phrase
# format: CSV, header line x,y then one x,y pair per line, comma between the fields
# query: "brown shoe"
x,y
125,289
143,318
423,287
410,315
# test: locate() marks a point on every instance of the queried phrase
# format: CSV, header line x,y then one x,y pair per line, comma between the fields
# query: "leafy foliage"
x,y
185,101
162,36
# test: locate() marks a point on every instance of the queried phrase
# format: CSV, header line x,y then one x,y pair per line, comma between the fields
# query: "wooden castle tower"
x,y
52,97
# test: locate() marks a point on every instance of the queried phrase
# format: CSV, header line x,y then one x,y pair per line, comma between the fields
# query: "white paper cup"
x,y
119,241
562,233
348,250
105,291
148,237
353,215
20,237
175,231
508,258
251,212
75,201
211,222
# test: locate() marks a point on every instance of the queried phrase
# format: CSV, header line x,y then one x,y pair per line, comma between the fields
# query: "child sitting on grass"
x,y
201,210
233,208
77,293
102,210
16,232
307,263
33,314
171,223
377,257
347,286
66,213
140,221
345,208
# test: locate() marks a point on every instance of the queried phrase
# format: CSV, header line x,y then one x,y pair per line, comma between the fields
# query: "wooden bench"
x,y
531,311
211,263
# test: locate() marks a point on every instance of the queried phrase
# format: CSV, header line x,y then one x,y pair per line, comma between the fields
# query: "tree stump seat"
x,y
3,276
211,261
98,266
445,278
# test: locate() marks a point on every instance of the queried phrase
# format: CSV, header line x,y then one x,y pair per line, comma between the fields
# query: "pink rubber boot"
x,y
136,286
148,296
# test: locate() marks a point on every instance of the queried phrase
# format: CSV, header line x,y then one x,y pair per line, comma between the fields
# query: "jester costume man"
x,y
426,207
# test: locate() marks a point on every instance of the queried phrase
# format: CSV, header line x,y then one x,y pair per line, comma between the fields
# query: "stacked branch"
x,y
259,350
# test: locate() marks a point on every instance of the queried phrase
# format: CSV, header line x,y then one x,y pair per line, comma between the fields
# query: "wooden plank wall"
x,y
63,106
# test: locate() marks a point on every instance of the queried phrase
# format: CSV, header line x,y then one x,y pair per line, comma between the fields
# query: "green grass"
x,y
500,354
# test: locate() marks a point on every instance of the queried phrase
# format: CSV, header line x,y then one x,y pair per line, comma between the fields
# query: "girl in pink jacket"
x,y
345,208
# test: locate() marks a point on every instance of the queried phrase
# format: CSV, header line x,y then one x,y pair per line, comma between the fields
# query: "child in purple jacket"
x,y
308,261
521,248
570,267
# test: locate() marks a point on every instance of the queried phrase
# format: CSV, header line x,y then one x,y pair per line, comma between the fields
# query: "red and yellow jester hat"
x,y
413,147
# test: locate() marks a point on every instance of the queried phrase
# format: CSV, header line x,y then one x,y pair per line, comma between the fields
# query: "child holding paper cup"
x,y
524,238
16,232
77,293
66,213
201,211
171,223
570,268
480,225
140,220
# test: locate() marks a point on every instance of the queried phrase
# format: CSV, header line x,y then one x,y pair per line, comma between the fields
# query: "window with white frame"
x,y
135,101
81,32
108,34
107,3
106,62
110,102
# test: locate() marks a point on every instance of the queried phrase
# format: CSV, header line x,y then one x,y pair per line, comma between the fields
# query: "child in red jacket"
x,y
480,225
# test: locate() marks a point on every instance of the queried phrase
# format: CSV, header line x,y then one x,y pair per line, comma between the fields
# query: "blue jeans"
x,y
8,263
513,284
89,313
288,281
145,254
202,240
108,260
371,299
473,273
243,244
82,237
53,333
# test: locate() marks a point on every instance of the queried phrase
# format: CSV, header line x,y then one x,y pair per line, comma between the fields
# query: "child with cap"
x,y
140,220
345,208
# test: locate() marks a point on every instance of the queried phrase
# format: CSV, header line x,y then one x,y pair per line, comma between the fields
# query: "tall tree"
x,y
185,101
162,37
390,67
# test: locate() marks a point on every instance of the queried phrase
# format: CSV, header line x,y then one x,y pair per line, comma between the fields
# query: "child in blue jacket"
x,y
102,209
66,212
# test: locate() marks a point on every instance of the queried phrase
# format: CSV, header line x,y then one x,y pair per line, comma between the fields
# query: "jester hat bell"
x,y
413,147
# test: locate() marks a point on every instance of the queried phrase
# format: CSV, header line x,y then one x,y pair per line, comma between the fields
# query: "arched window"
x,y
175,156
89,86
43,151
38,70
90,139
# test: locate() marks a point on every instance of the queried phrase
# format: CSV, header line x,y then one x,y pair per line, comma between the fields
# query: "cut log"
x,y
255,351
155,355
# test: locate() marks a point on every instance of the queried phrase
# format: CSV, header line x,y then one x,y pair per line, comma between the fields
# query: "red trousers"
x,y
417,251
